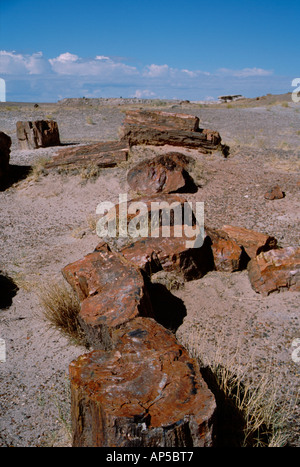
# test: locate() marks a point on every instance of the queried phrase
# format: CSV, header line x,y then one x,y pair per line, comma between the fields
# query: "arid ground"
x,y
48,220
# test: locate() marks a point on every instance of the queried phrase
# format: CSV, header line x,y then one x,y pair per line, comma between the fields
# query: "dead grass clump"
x,y
61,307
249,412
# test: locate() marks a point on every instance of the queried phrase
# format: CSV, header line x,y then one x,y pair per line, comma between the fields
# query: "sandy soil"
x,y
47,221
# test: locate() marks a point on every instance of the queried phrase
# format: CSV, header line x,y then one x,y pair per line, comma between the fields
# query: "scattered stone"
x,y
38,134
146,392
275,270
103,154
111,292
274,193
162,174
5,144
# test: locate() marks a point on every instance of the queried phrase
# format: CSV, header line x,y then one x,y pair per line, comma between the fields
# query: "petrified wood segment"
x,y
161,174
111,292
5,144
146,392
232,247
275,270
160,128
178,121
253,242
204,141
38,134
104,154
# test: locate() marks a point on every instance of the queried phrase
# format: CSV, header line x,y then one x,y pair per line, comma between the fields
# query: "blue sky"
x,y
190,49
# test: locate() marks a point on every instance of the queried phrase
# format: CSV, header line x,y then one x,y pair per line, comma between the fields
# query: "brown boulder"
x,y
104,154
275,270
5,144
111,292
38,134
162,174
146,392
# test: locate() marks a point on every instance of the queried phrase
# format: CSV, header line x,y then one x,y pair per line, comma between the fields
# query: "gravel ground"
x,y
47,222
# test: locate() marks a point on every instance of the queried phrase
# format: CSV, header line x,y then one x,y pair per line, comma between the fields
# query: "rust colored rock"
x,y
274,193
146,392
5,144
111,292
37,134
104,154
162,174
251,241
163,119
275,270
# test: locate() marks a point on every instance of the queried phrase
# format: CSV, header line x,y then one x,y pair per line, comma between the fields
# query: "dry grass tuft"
x,y
249,403
61,308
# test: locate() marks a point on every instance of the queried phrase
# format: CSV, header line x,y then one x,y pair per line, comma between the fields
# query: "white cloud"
x,y
143,93
246,72
155,71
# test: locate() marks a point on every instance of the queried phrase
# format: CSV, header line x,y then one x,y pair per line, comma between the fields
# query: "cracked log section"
x,y
145,392
104,154
111,291
37,134
160,128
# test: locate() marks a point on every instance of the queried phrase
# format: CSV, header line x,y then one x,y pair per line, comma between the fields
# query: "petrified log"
x,y
111,292
37,134
161,174
5,144
146,392
275,270
104,154
170,238
203,141
160,128
163,119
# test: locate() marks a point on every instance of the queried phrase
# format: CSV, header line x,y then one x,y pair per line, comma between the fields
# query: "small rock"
x,y
274,193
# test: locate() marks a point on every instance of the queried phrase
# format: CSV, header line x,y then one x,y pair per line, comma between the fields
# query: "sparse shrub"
x,y
61,307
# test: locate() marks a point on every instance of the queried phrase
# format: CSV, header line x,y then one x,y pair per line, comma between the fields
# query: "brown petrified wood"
x,y
160,128
37,134
275,270
177,121
145,392
5,144
111,292
161,174
104,154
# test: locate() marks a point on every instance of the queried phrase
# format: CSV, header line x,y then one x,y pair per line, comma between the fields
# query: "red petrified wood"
x,y
111,292
275,270
146,392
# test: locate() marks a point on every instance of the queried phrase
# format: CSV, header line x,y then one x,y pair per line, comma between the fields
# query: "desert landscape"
x,y
48,220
